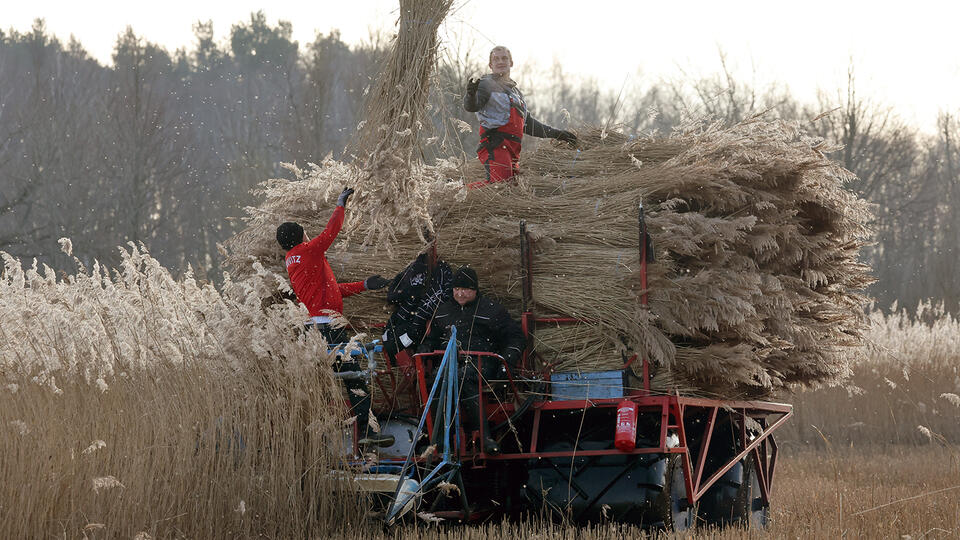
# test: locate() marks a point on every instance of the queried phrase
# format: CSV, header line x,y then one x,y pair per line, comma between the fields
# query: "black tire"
x,y
735,499
646,491
638,489
716,507
749,510
672,504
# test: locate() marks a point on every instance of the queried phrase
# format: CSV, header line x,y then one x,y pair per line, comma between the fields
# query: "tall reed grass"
x,y
906,390
137,405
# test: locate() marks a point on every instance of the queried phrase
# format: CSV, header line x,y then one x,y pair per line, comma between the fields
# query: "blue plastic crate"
x,y
584,385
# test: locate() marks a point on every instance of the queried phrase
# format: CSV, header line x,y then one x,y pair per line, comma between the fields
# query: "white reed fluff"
x,y
106,482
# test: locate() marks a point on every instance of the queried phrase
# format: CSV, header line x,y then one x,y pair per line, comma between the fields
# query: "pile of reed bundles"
x,y
756,285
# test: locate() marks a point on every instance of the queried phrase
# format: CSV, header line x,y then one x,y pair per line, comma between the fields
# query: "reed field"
x,y
136,405
878,493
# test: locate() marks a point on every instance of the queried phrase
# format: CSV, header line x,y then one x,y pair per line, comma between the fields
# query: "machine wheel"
x,y
735,499
749,509
672,504
717,505
623,489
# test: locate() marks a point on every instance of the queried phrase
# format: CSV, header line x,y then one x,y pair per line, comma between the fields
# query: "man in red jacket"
x,y
504,118
316,287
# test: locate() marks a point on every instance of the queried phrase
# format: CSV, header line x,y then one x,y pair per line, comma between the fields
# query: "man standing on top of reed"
x,y
316,287
503,118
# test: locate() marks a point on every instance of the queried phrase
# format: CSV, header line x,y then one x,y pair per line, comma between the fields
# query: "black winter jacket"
x,y
416,292
482,325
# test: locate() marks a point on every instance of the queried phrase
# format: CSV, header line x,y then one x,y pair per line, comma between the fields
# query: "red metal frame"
x,y
504,408
676,412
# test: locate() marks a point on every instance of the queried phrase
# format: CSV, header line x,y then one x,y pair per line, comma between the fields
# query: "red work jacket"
x,y
310,274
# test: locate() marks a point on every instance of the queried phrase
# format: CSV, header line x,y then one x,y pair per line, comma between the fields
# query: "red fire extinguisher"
x,y
626,437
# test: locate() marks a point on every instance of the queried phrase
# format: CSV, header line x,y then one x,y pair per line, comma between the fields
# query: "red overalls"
x,y
499,149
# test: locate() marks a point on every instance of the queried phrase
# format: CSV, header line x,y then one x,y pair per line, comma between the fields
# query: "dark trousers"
x,y
359,404
470,413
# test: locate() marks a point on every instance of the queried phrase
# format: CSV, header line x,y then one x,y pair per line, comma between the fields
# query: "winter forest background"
x,y
165,147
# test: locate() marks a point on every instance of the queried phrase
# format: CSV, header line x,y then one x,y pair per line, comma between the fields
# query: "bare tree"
x,y
147,162
46,134
941,235
884,151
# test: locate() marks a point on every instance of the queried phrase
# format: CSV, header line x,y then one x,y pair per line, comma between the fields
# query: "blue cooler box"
x,y
581,385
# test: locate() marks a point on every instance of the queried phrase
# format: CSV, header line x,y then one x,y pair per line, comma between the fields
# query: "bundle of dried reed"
x,y
389,199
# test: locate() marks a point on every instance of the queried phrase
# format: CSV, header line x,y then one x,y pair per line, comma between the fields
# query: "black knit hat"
x,y
466,278
289,235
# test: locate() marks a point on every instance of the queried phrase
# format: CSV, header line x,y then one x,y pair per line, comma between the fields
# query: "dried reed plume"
x,y
148,405
908,377
390,201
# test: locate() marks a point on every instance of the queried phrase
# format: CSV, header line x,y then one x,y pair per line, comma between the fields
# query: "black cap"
x,y
466,278
289,235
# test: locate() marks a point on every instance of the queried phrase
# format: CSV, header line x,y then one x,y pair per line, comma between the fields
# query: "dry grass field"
x,y
131,407
877,493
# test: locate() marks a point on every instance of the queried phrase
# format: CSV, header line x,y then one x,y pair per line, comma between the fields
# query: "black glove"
x,y
342,201
375,282
566,136
472,86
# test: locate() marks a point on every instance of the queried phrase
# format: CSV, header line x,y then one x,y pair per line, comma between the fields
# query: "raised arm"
x,y
324,240
478,94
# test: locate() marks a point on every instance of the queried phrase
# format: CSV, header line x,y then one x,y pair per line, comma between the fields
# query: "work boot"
x,y
377,439
490,446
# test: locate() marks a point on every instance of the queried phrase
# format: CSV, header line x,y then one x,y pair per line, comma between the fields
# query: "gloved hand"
x,y
375,282
344,195
566,136
472,86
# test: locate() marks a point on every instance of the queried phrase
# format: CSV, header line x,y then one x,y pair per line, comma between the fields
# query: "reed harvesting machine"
x,y
581,447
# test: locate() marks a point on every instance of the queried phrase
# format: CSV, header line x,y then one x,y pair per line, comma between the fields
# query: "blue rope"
x,y
450,401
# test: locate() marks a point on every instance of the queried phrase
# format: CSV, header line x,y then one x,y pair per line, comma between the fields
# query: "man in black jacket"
x,y
416,293
483,325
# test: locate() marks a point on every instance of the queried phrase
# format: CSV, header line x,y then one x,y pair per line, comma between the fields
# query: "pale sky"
x,y
905,54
